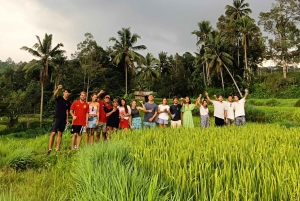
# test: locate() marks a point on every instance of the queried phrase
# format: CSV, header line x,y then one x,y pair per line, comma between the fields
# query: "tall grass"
x,y
256,162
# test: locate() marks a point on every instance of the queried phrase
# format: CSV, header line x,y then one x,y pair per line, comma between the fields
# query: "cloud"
x,y
164,25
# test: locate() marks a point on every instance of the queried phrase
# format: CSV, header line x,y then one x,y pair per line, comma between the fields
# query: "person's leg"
x,y
73,141
98,131
237,121
87,136
58,140
92,136
51,140
243,120
79,136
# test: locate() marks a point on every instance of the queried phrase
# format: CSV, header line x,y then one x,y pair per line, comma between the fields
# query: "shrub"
x,y
272,102
254,114
297,104
20,159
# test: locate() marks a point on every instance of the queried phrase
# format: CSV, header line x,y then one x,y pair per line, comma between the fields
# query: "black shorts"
x,y
77,129
58,125
219,122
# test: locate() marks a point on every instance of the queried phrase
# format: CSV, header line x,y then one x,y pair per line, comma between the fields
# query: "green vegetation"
x,y
256,162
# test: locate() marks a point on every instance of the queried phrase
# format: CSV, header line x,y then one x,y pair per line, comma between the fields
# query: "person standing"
x,y
93,119
124,112
80,113
163,113
239,109
187,116
230,112
150,110
135,121
104,105
60,117
220,110
113,118
176,116
204,113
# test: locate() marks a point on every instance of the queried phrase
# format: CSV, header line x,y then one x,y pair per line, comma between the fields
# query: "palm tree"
x,y
205,28
43,50
58,62
248,28
163,62
148,71
236,12
124,51
217,57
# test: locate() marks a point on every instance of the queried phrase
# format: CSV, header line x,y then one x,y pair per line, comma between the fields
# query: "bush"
x,y
254,114
255,102
20,159
297,104
272,102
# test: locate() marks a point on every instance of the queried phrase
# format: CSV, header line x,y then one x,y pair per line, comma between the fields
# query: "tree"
x,y
205,28
217,57
124,52
89,57
43,50
281,21
58,62
236,12
148,70
249,29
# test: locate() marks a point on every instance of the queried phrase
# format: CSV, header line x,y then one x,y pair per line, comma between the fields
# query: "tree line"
x,y
226,58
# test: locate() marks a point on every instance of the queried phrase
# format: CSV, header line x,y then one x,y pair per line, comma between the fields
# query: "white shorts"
x,y
162,121
175,124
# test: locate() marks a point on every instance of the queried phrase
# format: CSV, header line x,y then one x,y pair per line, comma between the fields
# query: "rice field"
x,y
256,162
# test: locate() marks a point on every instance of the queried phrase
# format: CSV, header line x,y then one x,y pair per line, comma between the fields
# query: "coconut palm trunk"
x,y
233,80
41,107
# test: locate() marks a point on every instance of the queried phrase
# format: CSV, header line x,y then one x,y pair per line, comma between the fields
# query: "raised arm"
x,y
198,101
101,92
59,87
206,94
246,93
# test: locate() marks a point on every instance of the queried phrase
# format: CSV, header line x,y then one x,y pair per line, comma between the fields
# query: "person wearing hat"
x,y
104,106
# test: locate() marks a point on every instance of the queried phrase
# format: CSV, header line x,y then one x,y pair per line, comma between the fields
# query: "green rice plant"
x,y
106,172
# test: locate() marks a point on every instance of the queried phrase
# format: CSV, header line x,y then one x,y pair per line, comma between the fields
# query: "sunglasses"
x,y
107,97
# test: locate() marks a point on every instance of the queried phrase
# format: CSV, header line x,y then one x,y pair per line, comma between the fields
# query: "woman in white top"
x,y
204,113
163,113
93,119
125,113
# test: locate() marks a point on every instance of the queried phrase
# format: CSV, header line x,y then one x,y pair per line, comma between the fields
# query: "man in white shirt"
x,y
239,109
230,112
220,110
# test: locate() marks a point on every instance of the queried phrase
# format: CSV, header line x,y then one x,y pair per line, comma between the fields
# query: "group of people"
x,y
105,116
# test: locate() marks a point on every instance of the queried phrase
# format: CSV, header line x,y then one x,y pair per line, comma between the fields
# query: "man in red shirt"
x,y
80,113
104,106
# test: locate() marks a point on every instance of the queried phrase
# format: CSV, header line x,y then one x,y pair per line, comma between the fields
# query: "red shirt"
x,y
80,109
102,113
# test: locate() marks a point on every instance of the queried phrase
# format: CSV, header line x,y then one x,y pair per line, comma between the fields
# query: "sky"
x,y
164,25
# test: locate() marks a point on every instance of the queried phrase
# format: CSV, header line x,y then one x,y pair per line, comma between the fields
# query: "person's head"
x,y
94,97
106,98
229,98
133,103
115,102
175,100
236,98
187,100
204,103
124,104
164,101
66,93
82,96
220,98
150,97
